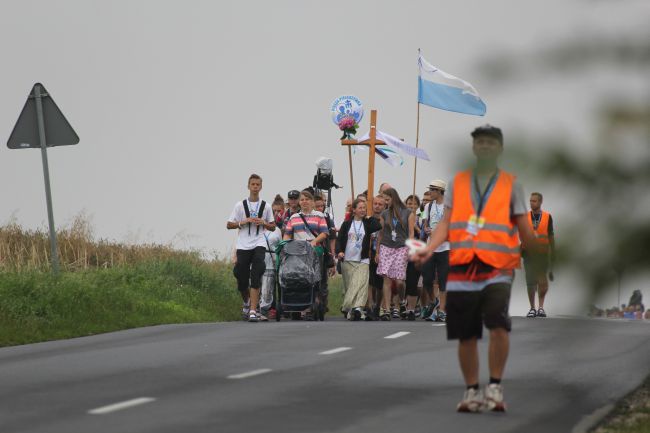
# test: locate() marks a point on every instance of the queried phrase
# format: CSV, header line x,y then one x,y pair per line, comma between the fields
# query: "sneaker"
x,y
395,313
472,401
384,315
432,317
426,311
441,316
541,313
494,398
262,318
410,315
356,314
418,311
532,313
253,317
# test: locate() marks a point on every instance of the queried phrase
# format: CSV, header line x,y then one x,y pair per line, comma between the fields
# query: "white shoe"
x,y
253,317
494,398
472,401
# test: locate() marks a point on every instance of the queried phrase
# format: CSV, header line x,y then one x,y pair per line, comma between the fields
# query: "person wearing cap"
x,y
293,206
536,280
485,209
437,268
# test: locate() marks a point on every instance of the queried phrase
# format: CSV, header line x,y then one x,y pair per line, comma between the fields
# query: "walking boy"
x,y
251,216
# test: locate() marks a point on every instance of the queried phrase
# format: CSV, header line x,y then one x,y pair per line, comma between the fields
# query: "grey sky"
x,y
176,103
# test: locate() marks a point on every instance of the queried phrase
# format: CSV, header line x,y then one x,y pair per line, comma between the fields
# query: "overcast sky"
x,y
176,103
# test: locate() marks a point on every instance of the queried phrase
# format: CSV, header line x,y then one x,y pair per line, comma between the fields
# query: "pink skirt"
x,y
392,262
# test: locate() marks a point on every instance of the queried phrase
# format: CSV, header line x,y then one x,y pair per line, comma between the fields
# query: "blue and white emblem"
x,y
346,106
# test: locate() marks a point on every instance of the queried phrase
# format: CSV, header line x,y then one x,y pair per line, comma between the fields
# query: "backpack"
x,y
260,211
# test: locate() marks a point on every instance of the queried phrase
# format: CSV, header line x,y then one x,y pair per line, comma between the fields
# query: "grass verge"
x,y
39,307
631,414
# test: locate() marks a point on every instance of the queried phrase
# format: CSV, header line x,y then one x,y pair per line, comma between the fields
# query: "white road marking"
x,y
250,373
333,351
397,335
439,324
121,405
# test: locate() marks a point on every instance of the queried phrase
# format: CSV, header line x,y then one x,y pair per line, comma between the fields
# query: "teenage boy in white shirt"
x,y
251,217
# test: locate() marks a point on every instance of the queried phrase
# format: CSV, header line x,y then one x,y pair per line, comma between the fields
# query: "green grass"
x,y
38,307
631,414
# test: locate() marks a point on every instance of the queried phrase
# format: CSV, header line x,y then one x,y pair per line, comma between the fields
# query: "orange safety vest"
x,y
541,232
497,242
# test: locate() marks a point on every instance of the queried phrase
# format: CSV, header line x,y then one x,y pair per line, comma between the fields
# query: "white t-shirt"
x,y
437,211
249,238
274,239
355,241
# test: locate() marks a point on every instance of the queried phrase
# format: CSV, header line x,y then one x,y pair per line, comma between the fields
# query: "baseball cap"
x,y
490,130
293,193
439,184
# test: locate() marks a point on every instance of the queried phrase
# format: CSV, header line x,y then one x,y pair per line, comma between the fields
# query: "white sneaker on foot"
x,y
472,401
253,317
494,398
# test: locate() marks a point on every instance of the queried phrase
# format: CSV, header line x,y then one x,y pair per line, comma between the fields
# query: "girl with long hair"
x,y
398,224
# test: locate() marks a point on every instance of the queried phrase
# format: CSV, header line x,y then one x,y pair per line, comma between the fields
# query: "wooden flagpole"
x,y
351,175
417,143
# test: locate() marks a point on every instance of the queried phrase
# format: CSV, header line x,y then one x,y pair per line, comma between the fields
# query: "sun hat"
x,y
439,184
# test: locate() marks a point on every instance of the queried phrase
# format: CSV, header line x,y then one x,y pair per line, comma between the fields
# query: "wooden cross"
x,y
372,142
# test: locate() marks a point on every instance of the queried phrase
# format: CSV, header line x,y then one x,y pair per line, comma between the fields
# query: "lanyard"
x,y
395,221
357,231
253,211
536,220
482,198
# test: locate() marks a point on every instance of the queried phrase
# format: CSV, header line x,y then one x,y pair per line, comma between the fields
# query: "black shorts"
x,y
412,279
436,268
374,280
535,270
467,312
250,268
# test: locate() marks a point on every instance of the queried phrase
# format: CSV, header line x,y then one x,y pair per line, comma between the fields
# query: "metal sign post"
x,y
46,175
30,133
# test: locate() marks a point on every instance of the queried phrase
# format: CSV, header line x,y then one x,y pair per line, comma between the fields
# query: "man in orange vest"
x,y
485,211
542,224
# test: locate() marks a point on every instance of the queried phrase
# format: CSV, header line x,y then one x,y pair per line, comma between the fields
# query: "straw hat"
x,y
437,183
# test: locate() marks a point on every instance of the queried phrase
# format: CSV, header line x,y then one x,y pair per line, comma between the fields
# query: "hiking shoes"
x,y
541,313
426,311
494,398
472,401
532,313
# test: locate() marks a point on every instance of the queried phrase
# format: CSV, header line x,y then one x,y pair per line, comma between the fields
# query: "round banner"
x,y
346,106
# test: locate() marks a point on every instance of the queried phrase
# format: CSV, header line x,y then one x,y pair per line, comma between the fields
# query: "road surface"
x,y
334,376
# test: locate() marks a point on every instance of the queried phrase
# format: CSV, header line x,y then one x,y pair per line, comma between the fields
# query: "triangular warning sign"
x,y
58,131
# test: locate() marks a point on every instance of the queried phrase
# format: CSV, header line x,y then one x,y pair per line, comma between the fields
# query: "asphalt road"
x,y
333,376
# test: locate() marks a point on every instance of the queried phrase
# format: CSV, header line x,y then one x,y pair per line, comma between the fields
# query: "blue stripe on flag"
x,y
449,98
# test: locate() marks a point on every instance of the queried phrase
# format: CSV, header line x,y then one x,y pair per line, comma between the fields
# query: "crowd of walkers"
x,y
368,248
475,228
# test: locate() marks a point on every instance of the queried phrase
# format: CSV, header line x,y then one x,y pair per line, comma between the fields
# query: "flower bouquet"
x,y
349,127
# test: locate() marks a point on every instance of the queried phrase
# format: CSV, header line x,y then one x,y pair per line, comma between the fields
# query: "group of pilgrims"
x,y
368,248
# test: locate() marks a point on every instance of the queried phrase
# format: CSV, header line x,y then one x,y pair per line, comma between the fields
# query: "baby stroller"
x,y
298,276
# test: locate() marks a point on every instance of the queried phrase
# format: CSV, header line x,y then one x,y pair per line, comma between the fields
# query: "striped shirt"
x,y
296,227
